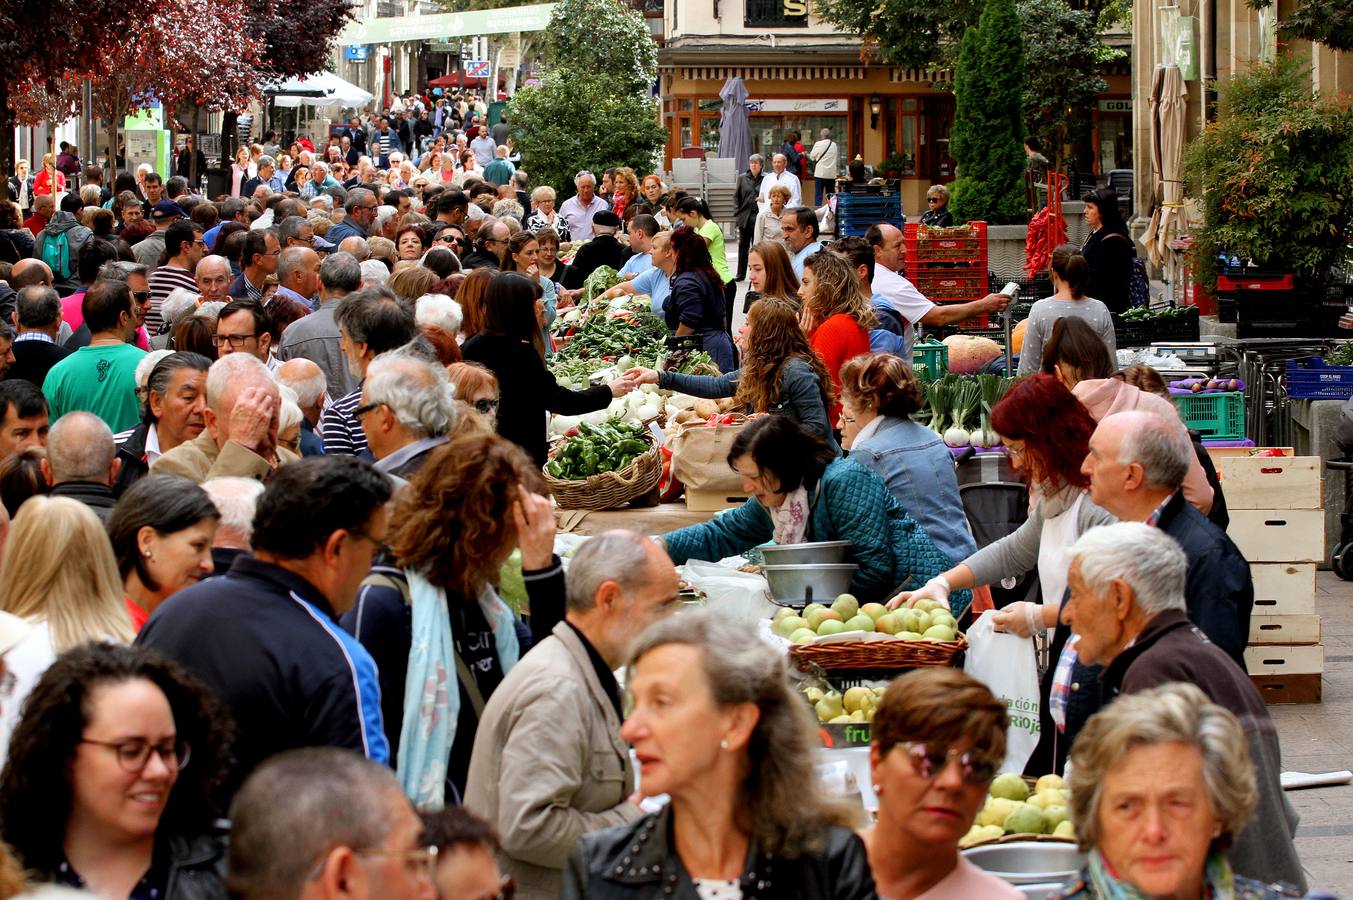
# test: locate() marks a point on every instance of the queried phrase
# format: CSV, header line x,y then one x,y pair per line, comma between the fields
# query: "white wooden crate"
x,y
1288,482
1284,629
1278,535
1283,589
1285,660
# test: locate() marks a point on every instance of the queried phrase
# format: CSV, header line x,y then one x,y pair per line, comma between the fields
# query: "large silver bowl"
x,y
816,583
1028,862
806,554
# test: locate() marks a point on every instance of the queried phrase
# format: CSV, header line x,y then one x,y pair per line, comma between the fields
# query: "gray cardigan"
x,y
800,395
1017,552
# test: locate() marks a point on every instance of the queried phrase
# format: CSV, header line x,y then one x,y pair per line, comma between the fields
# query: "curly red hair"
x,y
1054,427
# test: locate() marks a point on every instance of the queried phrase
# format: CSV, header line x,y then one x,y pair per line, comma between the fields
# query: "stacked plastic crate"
x,y
949,265
856,212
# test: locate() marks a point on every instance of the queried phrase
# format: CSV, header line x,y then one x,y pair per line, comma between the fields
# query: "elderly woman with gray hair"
x,y
716,725
1161,782
1127,613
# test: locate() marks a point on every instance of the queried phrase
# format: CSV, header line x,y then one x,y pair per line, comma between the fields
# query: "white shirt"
x,y
902,296
825,156
786,178
152,445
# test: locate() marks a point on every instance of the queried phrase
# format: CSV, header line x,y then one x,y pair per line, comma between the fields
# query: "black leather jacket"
x,y
638,861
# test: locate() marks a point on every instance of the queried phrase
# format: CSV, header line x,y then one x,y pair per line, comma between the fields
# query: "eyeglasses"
x,y
362,411
422,861
141,296
929,761
932,199
133,755
486,406
236,341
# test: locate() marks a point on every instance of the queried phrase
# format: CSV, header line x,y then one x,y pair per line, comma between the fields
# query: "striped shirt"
x,y
342,432
162,282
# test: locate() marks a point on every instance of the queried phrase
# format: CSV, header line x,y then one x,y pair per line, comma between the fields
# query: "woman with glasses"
x,y
938,739
718,728
476,386
547,260
161,531
545,217
937,214
114,778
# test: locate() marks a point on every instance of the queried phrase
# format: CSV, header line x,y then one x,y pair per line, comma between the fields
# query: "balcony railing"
x,y
776,13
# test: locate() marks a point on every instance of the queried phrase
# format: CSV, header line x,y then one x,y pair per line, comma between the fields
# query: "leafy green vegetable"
x,y
602,279
611,447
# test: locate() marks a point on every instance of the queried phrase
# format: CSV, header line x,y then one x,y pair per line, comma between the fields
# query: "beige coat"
x,y
200,459
549,765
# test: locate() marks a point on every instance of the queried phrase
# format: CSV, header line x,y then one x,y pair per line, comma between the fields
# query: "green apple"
x,y
1009,786
1047,782
818,616
888,624
1065,830
943,618
810,607
783,612
909,619
847,606
1025,819
874,611
829,707
789,624
842,719
802,636
909,636
830,626
814,694
938,633
859,622
995,810
857,697
1054,816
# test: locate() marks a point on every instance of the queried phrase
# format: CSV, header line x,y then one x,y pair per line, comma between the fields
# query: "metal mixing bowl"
x,y
806,554
816,583
1028,862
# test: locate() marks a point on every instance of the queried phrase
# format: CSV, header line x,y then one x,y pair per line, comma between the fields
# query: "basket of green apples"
x,y
1022,809
848,636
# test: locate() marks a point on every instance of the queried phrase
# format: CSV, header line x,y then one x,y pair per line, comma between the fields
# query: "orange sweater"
x,y
836,340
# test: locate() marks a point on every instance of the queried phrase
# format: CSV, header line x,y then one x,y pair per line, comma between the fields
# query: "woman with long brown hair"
x,y
836,315
780,372
435,616
696,304
626,190
523,255
470,296
770,275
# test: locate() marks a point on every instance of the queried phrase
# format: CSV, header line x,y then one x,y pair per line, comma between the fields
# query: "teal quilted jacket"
x,y
850,503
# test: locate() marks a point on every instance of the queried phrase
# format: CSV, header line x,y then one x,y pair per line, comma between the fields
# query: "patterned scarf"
x,y
1218,881
790,518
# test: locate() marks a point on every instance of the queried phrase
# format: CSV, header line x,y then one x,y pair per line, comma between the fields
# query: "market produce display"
x,y
1340,354
1206,385
593,449
1156,313
607,337
856,705
968,354
1012,808
928,621
959,408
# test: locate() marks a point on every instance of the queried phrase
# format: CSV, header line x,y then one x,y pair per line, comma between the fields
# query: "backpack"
x,y
54,250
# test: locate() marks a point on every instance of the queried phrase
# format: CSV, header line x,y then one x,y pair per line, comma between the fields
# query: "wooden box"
x,y
1220,453
1289,482
1284,629
1279,535
1283,589
1302,660
712,501
1302,688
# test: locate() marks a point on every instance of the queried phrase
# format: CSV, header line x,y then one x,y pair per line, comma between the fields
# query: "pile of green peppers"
x,y
596,449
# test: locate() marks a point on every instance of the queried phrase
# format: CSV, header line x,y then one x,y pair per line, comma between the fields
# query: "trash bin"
x,y
218,182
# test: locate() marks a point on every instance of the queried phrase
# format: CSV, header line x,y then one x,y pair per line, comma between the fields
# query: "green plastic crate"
x,y
931,354
1219,416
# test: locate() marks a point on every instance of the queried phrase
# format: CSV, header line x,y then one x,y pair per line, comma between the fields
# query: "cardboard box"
x,y
1283,589
1303,660
713,501
1284,629
1279,535
1271,483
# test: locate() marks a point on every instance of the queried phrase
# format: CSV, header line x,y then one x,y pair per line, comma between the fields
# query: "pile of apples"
x,y
1012,809
928,620
855,706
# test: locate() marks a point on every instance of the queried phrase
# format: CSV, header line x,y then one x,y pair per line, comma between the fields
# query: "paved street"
x,y
1319,738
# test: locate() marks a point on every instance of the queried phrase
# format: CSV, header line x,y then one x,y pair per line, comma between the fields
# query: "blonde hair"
x,y
59,567
779,191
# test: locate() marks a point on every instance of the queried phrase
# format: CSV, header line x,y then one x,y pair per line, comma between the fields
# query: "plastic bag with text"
x,y
1006,664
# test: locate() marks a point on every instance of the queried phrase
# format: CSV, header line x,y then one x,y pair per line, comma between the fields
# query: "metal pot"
x,y
803,584
1028,862
806,554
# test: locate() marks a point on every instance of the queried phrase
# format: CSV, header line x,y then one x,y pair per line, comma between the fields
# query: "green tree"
x,y
988,134
593,108
1274,173
1060,91
908,33
1328,22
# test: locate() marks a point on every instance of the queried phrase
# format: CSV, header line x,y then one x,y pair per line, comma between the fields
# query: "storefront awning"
x,y
801,73
322,89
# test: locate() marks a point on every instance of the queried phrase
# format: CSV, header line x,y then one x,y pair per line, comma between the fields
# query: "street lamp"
x,y
875,109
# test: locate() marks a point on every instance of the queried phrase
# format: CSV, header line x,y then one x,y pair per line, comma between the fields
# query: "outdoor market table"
x,y
658,519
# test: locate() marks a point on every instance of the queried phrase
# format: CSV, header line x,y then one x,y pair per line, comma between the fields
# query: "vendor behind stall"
x,y
801,492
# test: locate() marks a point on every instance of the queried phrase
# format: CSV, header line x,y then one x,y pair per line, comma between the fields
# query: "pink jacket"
x,y
1106,396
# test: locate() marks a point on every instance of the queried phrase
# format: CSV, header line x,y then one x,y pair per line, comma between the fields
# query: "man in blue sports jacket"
x,y
265,636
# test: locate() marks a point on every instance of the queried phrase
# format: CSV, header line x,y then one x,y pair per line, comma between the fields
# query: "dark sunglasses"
x,y
141,296
486,406
366,410
932,199
928,761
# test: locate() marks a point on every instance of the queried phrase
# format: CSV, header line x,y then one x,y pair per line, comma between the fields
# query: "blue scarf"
x,y
431,687
1217,879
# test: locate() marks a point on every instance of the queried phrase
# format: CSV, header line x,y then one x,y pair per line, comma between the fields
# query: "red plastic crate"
x,y
924,244
1255,283
945,285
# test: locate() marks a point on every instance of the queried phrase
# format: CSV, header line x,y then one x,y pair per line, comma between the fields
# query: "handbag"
x,y
700,455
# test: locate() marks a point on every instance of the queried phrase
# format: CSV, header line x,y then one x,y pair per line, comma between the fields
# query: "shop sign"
x,y
798,106
441,47
355,53
442,26
1123,105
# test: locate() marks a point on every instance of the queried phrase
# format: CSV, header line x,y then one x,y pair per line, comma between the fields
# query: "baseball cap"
x,y
167,209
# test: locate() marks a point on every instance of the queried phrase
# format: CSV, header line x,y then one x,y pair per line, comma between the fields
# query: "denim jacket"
x,y
919,471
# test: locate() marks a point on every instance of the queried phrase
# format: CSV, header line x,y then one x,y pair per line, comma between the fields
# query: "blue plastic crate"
x,y
1311,379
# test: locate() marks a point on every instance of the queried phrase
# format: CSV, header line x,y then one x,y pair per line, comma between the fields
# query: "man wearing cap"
x,y
150,248
580,209
603,250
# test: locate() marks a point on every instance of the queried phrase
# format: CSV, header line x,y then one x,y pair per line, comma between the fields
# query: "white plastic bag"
x,y
1005,663
739,596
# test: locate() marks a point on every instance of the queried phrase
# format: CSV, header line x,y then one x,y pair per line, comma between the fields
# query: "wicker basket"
x,y
1019,838
874,655
607,490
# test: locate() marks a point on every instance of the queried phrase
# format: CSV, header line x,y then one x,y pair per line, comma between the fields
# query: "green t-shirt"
x,y
714,234
100,380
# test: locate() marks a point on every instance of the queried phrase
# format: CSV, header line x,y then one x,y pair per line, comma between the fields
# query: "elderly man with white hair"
x,y
579,209
240,437
306,380
408,408
81,461
235,499
439,318
1127,612
1137,464
780,175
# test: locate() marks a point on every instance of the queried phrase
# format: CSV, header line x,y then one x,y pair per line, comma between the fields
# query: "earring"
x,y
149,555
723,744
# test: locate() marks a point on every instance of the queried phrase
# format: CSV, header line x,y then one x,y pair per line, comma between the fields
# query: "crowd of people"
x,y
267,460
